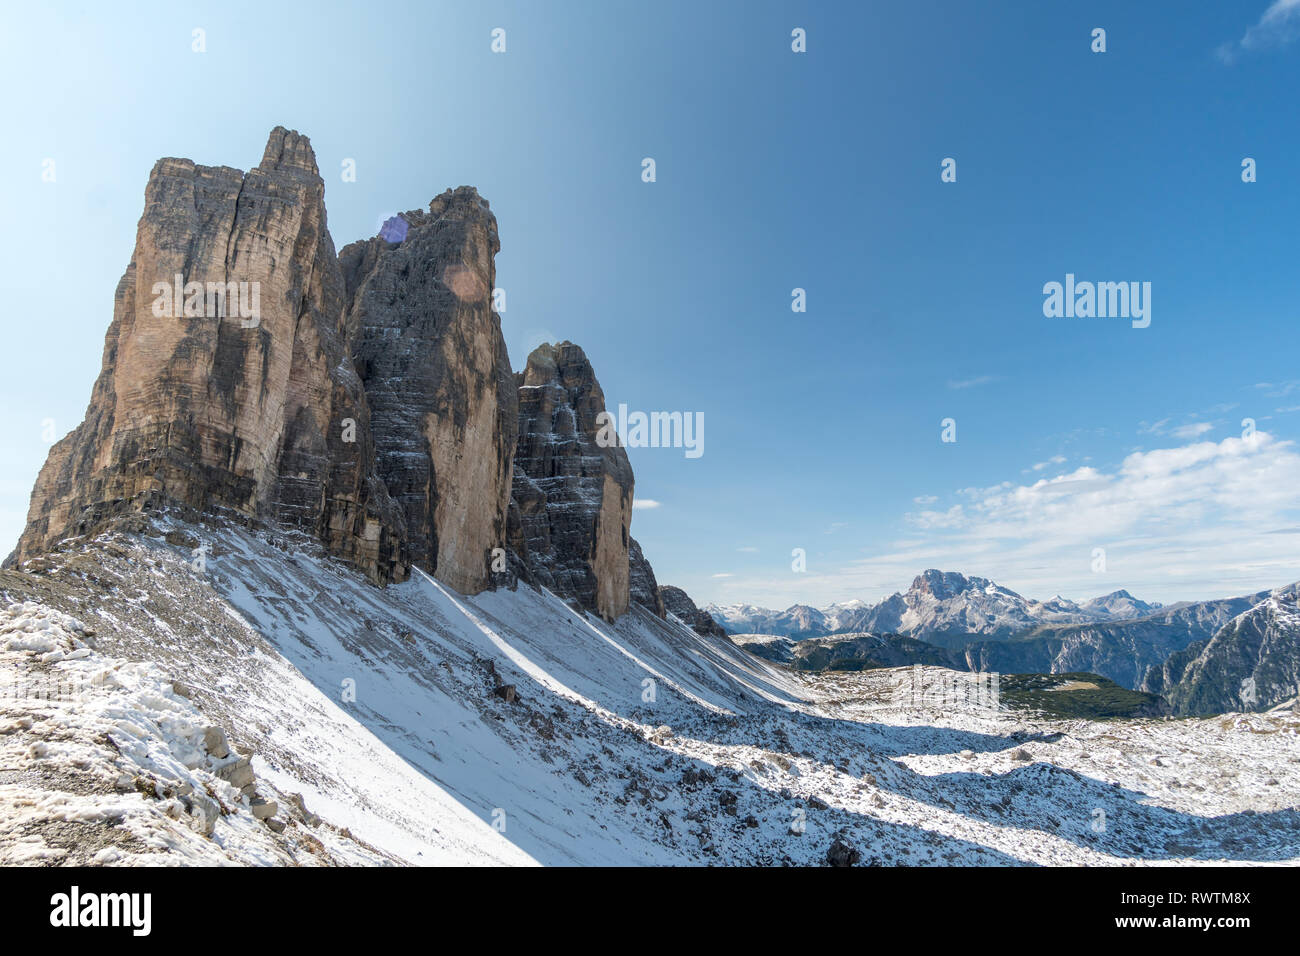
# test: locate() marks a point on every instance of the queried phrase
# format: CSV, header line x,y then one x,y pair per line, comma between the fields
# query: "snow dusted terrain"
x,y
420,726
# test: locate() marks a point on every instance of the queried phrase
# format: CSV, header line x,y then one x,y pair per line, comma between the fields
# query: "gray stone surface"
x,y
574,497
444,413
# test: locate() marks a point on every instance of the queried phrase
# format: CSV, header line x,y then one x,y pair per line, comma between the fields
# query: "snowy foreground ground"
x,y
641,742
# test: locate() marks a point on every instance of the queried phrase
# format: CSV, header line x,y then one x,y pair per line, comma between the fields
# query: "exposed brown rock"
x,y
215,411
368,402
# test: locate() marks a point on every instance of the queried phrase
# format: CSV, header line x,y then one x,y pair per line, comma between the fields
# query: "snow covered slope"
x,y
425,727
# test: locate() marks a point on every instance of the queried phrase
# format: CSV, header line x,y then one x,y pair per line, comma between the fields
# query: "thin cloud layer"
x,y
1194,521
1279,26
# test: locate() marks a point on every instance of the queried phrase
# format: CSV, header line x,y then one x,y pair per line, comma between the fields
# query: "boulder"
x,y
842,853
238,773
215,742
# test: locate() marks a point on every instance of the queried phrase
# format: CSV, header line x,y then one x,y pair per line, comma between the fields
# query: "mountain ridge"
x,y
937,603
367,398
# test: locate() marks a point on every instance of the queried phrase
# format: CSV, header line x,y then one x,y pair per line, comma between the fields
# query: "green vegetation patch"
x,y
1081,694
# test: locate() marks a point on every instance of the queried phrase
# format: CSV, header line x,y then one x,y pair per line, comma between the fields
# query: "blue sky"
x,y
775,170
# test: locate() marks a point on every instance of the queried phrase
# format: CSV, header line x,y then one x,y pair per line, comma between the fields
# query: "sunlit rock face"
x,y
365,397
242,398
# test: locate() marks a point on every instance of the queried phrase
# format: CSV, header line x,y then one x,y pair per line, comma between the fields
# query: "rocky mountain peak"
x,y
1251,663
942,585
574,497
364,397
429,351
227,382
678,603
287,151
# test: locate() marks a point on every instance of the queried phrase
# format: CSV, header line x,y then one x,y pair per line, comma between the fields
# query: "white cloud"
x,y
1278,389
972,382
924,500
951,518
1192,521
748,550
1054,460
644,504
725,574
1194,430
1279,25
1188,431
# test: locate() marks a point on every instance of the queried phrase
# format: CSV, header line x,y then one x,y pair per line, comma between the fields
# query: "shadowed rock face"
x,y
444,411
1252,663
211,411
574,497
678,602
643,589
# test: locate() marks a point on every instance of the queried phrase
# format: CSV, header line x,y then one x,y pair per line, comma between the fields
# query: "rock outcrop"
x,y
643,589
1251,664
226,380
443,407
678,603
1126,651
574,496
364,398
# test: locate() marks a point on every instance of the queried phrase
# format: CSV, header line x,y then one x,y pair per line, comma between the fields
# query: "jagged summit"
x,y
937,604
288,149
429,350
574,496
364,397
227,379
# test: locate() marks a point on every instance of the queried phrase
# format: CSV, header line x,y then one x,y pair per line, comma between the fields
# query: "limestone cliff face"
x,y
444,410
208,405
574,496
365,398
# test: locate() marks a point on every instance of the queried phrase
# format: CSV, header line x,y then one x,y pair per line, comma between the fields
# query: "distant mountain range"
x,y
1201,657
941,607
1251,663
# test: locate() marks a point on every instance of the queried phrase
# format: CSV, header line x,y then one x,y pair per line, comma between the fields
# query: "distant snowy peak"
x,y
937,603
1119,606
854,605
945,585
1057,605
799,620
